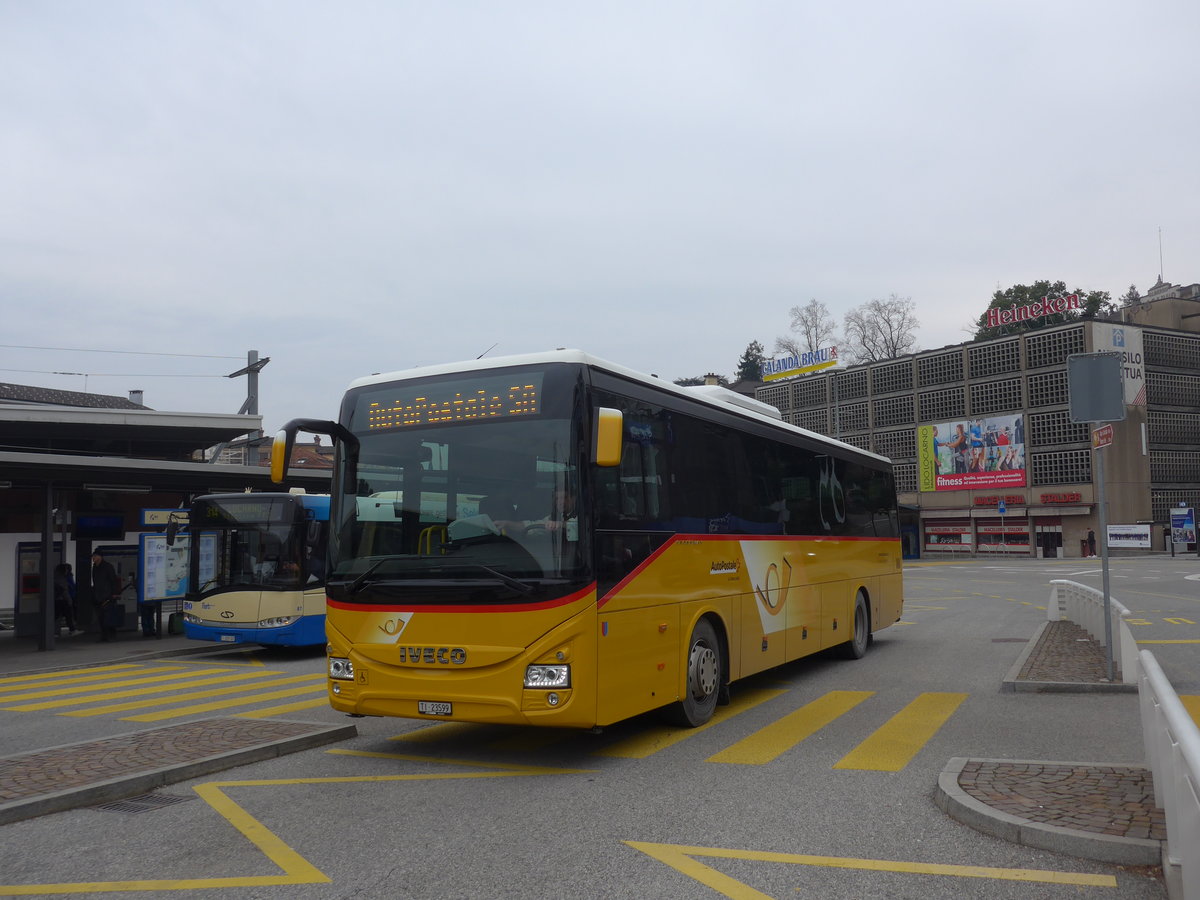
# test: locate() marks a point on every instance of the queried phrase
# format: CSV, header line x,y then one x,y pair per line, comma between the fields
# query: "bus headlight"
x,y
277,622
341,669
546,676
192,620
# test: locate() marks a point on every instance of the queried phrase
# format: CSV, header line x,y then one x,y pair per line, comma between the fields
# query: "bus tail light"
x,y
546,676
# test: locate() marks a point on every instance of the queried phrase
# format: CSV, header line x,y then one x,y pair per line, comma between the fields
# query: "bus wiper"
x,y
354,586
508,580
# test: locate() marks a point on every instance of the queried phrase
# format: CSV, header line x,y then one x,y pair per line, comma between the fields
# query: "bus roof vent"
x,y
718,394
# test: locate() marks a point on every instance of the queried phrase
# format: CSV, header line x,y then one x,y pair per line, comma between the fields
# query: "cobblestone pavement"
x,y
75,765
58,778
1112,800
1107,802
1066,653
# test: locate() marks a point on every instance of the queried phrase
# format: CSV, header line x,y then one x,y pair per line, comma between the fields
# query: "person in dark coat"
x,y
106,591
64,602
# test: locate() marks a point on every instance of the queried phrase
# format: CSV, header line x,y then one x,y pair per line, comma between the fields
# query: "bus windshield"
x,y
248,540
447,507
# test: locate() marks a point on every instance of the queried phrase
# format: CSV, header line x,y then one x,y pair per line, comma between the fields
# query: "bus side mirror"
x,y
281,452
610,427
173,527
285,440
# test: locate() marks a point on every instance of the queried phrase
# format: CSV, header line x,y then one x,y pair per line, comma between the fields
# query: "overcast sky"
x,y
362,187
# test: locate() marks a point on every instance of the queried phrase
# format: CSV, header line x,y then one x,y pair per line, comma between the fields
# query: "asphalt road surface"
x,y
817,781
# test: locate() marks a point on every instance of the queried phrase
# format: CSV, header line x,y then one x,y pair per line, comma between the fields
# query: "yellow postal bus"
x,y
553,539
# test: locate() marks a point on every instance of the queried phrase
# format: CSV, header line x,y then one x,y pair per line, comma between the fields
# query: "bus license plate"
x,y
434,707
229,637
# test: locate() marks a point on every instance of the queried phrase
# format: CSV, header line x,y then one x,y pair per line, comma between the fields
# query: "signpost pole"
x,y
1102,503
1002,508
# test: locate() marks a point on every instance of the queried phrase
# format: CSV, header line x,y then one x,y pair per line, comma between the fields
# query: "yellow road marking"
x,y
506,768
132,692
81,687
226,691
443,731
775,739
530,740
1191,703
894,745
282,708
652,740
295,868
681,858
66,676
223,704
251,661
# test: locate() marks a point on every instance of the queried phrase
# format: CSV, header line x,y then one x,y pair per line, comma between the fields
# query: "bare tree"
x,y
812,326
881,329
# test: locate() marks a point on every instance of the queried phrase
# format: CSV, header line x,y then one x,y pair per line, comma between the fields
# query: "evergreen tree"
x,y
749,367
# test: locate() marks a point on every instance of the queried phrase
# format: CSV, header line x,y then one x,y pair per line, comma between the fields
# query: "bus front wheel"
x,y
704,668
856,647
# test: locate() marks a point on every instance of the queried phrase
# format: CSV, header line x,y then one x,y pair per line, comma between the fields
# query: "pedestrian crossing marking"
x,y
282,709
226,704
63,676
771,742
443,731
893,746
192,695
87,693
651,740
528,740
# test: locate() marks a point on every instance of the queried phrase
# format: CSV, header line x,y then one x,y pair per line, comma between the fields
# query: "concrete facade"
x,y
1017,386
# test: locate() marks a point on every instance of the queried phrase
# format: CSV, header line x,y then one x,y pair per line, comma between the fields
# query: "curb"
x,y
1013,683
124,787
962,807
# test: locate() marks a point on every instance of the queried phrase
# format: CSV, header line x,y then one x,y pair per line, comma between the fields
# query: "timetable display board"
x,y
163,568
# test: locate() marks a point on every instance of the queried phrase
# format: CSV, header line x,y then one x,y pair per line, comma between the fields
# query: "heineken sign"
x,y
1047,306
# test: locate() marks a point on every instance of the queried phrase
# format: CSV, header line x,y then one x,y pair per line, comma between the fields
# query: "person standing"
x,y
64,606
1091,542
106,591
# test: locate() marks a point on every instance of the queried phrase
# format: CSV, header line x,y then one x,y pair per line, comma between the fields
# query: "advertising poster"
x,y
972,454
1129,537
1183,525
799,364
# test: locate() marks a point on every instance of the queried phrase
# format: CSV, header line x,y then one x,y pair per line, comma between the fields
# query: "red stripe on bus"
x,y
432,608
790,538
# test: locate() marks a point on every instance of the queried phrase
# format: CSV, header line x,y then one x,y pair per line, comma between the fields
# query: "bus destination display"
x,y
503,397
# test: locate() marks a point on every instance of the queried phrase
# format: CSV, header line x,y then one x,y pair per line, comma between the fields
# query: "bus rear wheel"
x,y
856,647
704,669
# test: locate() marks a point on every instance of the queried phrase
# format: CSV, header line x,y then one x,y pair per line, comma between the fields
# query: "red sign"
x,y
1047,306
1010,499
1102,437
1072,497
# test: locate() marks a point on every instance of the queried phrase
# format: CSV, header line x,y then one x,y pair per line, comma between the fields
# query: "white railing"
x,y
1084,606
1173,750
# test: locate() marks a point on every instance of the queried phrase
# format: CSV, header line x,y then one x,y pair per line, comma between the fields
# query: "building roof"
x,y
39,396
136,433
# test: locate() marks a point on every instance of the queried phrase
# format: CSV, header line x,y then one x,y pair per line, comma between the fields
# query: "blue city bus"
x,y
257,569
